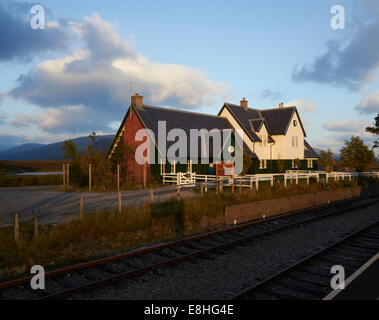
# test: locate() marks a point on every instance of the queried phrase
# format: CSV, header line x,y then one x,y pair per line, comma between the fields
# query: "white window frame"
x,y
310,163
294,165
262,164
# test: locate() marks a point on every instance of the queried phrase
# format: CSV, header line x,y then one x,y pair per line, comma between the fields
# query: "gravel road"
x,y
56,206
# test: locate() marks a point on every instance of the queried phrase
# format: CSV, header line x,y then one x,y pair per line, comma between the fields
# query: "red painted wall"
x,y
134,170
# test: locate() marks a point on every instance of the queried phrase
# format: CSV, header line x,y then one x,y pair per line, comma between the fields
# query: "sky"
x,y
76,75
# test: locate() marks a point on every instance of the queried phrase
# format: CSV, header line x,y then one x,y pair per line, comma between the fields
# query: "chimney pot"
x,y
137,100
281,105
244,103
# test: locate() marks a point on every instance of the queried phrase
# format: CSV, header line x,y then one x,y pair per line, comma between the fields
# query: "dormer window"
x,y
295,123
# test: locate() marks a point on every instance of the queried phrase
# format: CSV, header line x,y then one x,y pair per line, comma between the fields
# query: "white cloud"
x,y
97,77
353,126
369,105
3,116
303,105
58,120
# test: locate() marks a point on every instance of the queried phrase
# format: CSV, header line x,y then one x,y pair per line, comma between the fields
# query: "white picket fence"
x,y
292,176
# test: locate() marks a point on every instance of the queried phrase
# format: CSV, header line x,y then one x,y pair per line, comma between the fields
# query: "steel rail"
x,y
186,257
294,266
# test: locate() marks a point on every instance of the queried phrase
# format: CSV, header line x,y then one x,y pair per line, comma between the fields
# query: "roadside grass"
x,y
33,166
109,232
22,181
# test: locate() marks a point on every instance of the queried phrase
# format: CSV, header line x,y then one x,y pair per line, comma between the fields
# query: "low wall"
x,y
267,208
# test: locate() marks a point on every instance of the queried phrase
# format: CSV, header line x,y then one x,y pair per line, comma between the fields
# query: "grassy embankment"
x,y
109,232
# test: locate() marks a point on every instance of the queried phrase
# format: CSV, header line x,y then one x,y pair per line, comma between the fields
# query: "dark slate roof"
x,y
277,119
243,116
256,124
179,119
308,151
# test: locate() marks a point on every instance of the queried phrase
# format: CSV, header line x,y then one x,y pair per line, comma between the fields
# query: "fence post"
x,y
251,183
118,177
297,178
81,209
144,176
318,178
178,192
201,189
256,183
240,185
285,180
16,228
119,202
221,186
272,180
206,184
327,178
233,185
151,195
307,179
68,175
64,175
90,177
36,224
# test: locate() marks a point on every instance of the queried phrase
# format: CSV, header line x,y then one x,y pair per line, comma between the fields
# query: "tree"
x,y
247,163
70,150
356,155
374,130
326,160
93,137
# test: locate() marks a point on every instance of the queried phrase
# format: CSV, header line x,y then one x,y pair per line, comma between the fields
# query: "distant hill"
x,y
23,147
30,152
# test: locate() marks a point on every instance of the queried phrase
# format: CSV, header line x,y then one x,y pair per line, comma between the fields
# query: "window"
x,y
262,164
310,164
295,142
295,123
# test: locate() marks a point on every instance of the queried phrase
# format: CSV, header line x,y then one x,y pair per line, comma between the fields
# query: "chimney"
x,y
244,103
137,100
281,105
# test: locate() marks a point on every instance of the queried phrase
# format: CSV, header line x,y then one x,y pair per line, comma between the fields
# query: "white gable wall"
x,y
283,148
262,149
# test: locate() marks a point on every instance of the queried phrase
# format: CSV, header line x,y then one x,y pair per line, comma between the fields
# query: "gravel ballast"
x,y
221,275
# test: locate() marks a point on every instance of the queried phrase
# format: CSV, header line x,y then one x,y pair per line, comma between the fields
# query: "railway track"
x,y
70,281
310,278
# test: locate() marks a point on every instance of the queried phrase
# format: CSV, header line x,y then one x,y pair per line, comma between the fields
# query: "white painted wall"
x,y
283,148
262,149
